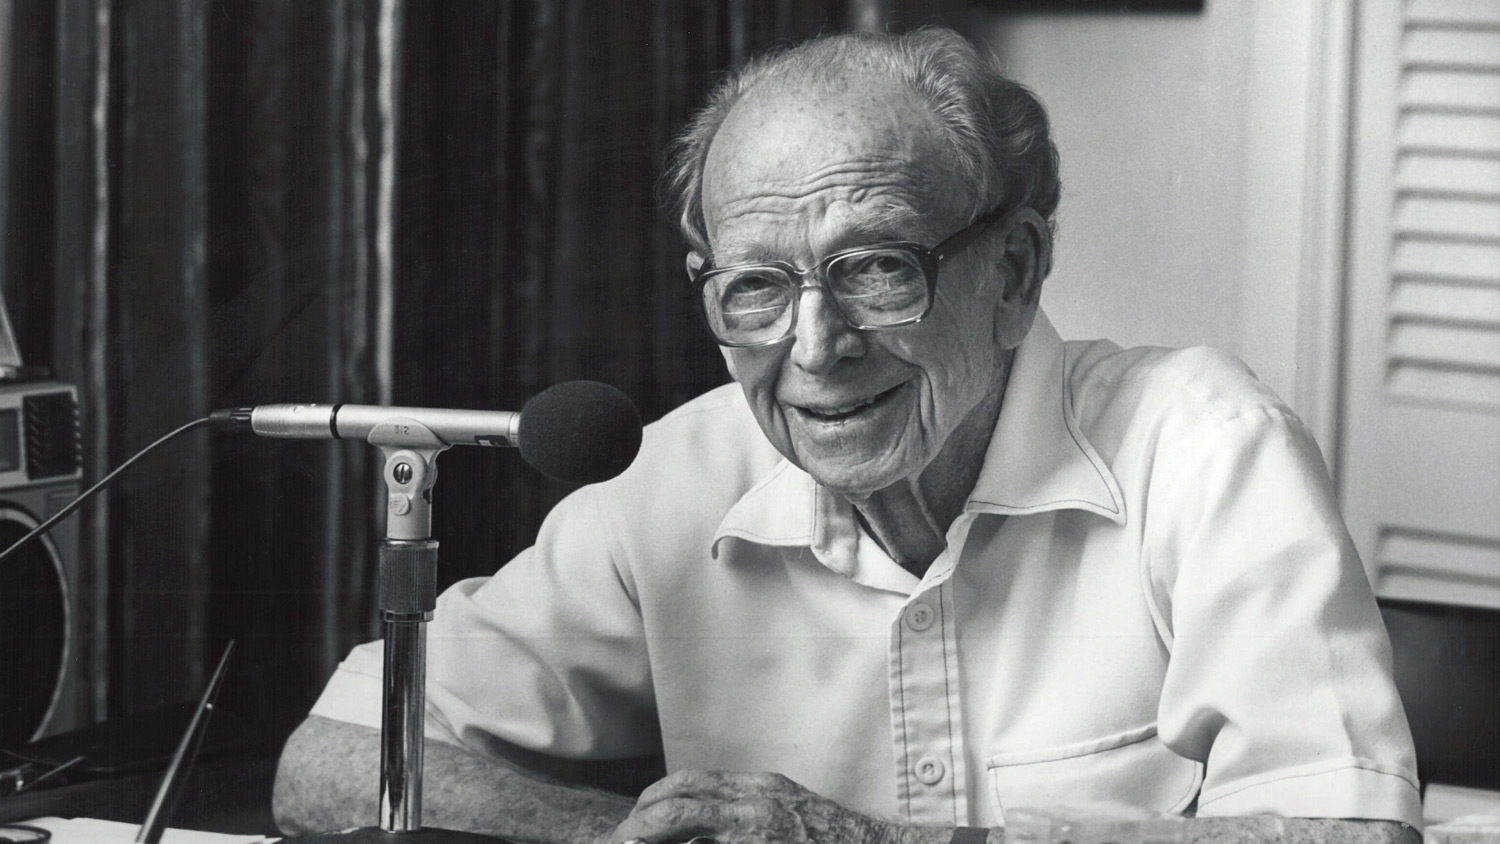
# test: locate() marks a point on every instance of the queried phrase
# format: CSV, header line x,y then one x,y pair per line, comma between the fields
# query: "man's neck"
x,y
910,519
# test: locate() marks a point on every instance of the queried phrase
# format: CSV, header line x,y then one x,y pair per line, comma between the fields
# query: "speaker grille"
x,y
54,437
33,634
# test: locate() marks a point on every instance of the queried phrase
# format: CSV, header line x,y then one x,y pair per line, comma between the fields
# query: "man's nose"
x,y
822,338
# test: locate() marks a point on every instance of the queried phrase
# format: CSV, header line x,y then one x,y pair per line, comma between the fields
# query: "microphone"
x,y
578,431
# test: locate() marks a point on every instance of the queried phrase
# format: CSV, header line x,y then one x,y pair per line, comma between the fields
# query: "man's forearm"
x,y
1248,830
1253,830
329,776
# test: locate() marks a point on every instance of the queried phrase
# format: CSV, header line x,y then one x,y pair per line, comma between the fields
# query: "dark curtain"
x,y
214,203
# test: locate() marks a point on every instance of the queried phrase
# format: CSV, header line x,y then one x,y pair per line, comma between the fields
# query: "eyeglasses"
x,y
872,288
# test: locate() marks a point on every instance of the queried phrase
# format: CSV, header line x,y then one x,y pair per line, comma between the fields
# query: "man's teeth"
x,y
841,411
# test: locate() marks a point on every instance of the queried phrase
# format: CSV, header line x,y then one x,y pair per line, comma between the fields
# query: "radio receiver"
x,y
41,469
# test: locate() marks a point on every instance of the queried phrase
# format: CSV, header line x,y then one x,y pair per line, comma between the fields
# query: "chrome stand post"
x,y
401,740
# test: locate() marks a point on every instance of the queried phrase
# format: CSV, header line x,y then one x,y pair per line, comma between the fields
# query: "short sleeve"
x,y
548,654
1279,679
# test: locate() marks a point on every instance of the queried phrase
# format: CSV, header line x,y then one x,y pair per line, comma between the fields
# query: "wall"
x,y
1186,142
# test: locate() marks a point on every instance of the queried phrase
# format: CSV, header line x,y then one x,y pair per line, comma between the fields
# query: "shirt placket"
x,y
926,710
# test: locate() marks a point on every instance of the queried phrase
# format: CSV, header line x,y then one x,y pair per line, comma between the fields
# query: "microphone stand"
x,y
584,412
407,580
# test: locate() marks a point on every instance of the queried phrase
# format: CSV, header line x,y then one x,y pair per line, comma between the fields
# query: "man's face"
x,y
796,174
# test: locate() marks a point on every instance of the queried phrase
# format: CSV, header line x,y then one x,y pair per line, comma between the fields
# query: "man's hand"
x,y
737,808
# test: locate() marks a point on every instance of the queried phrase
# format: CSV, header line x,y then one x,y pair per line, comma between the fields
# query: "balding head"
x,y
835,136
996,137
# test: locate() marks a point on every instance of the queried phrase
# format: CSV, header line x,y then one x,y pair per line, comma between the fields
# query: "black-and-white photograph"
x,y
750,421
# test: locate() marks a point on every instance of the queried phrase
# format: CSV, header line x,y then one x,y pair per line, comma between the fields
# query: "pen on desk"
x,y
50,774
182,761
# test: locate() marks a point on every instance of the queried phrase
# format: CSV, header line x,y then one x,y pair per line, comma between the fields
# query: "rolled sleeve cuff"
x,y
1345,788
353,695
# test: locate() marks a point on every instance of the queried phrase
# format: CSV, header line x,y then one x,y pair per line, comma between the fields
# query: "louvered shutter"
x,y
1420,461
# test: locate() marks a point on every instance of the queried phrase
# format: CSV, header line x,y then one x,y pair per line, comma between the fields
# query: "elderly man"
x,y
925,563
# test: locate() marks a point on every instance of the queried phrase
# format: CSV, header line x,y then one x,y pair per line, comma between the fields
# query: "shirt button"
x,y
929,770
919,617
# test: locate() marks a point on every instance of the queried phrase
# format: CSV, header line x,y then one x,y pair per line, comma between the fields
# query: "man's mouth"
x,y
849,411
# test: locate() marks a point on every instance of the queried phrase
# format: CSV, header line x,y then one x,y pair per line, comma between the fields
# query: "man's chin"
x,y
853,479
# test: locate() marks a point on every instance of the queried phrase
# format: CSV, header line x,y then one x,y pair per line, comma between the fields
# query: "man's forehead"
x,y
785,141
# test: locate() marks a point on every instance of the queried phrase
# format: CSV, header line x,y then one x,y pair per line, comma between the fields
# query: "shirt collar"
x,y
1038,460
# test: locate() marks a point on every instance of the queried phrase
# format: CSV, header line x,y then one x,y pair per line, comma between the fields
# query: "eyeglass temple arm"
x,y
970,233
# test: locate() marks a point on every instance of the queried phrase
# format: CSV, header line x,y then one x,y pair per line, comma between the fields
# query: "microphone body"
x,y
578,431
384,425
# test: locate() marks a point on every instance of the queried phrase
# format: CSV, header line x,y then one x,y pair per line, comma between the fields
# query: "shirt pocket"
x,y
1130,768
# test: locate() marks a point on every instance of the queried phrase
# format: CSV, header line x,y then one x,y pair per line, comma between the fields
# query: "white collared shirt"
x,y
1150,599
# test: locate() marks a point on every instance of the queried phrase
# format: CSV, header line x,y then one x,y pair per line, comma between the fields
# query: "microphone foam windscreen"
x,y
581,432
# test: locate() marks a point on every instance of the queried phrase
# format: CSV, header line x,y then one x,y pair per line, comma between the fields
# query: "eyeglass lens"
x,y
871,289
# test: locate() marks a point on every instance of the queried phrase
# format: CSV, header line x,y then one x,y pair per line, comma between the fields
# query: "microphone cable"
x,y
102,483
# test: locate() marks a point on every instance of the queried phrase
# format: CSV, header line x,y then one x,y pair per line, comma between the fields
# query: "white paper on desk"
x,y
90,831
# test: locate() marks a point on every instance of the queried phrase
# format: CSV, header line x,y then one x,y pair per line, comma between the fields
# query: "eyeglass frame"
x,y
930,260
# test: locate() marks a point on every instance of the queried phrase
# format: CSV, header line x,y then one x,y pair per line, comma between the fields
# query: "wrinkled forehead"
x,y
844,137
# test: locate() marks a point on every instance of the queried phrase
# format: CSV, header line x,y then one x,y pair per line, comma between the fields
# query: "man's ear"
x,y
1027,259
695,263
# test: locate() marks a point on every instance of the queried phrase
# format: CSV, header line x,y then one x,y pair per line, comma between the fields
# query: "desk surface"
x,y
230,795
222,795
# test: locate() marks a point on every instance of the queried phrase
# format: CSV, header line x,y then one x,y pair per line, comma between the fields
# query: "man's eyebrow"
x,y
883,225
749,252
